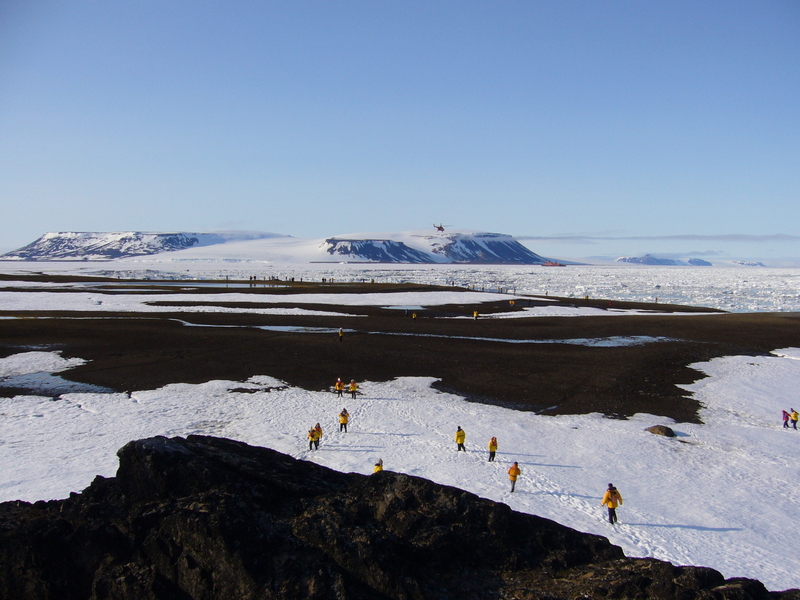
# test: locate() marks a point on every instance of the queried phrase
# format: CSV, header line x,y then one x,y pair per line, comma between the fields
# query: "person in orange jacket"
x,y
612,498
461,435
339,387
492,448
513,473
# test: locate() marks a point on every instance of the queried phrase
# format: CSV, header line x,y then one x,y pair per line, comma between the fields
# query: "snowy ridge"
x,y
107,246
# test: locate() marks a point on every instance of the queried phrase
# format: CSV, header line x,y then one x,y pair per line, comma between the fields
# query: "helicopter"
x,y
440,227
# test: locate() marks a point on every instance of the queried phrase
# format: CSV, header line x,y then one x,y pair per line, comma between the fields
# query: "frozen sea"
x,y
731,288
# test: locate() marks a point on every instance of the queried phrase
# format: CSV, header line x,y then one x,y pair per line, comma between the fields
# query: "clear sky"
x,y
604,127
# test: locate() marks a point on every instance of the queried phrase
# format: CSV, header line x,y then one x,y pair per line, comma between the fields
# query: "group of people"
x,y
314,436
790,416
513,472
611,499
339,386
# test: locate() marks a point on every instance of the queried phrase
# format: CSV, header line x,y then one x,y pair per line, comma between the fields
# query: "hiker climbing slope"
x,y
612,498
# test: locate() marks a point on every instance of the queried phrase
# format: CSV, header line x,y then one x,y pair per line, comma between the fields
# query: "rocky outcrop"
x,y
661,430
207,518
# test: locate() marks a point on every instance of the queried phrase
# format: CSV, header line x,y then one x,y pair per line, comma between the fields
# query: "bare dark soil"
x,y
143,351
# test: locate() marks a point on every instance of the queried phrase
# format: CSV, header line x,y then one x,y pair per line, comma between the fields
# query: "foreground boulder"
x,y
207,518
661,430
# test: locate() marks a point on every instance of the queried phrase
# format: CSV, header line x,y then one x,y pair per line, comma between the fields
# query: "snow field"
x,y
723,494
731,288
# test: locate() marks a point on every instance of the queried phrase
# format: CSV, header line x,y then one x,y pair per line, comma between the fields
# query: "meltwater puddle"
x,y
603,342
48,384
606,342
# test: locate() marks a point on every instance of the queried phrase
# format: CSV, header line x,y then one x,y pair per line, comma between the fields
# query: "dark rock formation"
x,y
207,518
661,430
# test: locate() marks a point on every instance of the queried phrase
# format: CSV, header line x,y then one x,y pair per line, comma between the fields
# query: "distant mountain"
x,y
649,259
461,248
381,251
413,248
109,246
748,263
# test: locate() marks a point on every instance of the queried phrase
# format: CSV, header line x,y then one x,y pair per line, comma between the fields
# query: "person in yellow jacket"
x,y
612,498
313,438
492,448
513,473
339,387
793,416
317,435
378,466
344,416
461,435
353,388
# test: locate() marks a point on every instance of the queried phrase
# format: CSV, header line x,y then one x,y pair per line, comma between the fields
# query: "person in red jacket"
x,y
612,498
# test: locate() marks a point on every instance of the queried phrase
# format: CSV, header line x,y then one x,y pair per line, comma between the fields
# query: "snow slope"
x,y
723,494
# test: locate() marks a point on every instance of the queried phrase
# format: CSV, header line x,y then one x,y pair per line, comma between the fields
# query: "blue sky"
x,y
591,128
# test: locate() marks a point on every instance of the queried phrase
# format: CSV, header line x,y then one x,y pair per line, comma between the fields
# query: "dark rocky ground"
x,y
206,518
130,352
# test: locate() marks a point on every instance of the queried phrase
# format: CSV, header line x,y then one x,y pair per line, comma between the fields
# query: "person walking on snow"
x,y
317,435
513,473
344,416
793,416
461,435
612,498
353,388
339,387
313,439
492,448
785,416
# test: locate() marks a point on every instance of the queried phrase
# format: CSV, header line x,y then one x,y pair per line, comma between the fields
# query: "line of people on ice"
x,y
611,499
790,416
